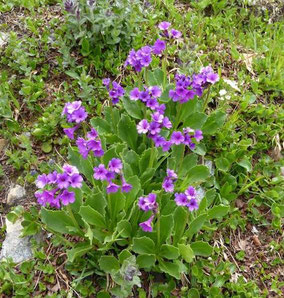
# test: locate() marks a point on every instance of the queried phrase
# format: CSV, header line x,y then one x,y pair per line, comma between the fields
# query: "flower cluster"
x,y
93,143
187,198
57,185
188,137
173,33
186,88
115,92
148,203
110,175
74,112
149,96
139,59
168,183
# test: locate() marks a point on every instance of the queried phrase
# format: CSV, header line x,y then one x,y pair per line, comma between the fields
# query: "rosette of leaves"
x,y
102,30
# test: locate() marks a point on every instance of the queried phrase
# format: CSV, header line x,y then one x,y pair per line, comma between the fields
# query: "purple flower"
x,y
161,108
112,187
92,134
100,172
79,115
148,203
175,33
99,152
152,103
159,46
63,180
166,146
181,199
177,137
154,128
94,145
164,25
157,117
168,185
155,91
115,165
171,174
82,146
144,96
190,192
192,204
212,78
106,82
167,123
52,177
198,135
159,140
76,181
116,92
134,94
41,181
146,226
67,197
70,131
110,176
70,170
126,187
143,126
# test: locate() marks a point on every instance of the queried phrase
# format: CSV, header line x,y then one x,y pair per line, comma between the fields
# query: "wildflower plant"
x,y
138,185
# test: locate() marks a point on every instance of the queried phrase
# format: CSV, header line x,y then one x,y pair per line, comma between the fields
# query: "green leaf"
x,y
132,108
93,217
170,268
214,122
188,108
131,196
100,125
155,77
222,164
84,165
147,175
166,223
56,220
131,158
127,131
196,120
108,264
180,219
46,147
245,164
124,228
189,161
169,252
125,254
165,95
143,245
78,251
186,252
193,293
97,201
146,261
218,211
201,248
145,159
196,225
197,174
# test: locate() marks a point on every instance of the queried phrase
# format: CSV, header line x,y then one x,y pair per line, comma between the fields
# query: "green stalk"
x,y
178,117
158,229
207,99
71,214
152,155
181,161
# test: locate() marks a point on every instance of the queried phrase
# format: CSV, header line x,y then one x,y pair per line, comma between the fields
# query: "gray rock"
x,y
16,195
14,246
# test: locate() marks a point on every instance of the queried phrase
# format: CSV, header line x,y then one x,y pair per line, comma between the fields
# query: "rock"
x,y
14,246
16,195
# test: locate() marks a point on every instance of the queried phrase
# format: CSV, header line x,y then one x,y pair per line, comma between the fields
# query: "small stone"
x,y
14,246
16,195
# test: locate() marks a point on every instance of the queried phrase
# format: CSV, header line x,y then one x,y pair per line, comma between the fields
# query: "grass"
x,y
245,44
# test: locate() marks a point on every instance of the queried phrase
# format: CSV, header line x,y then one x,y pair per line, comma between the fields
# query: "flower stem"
x,y
152,155
207,98
71,214
177,117
158,229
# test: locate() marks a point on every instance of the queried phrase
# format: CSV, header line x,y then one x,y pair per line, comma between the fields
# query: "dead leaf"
x,y
256,240
233,84
248,59
2,144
